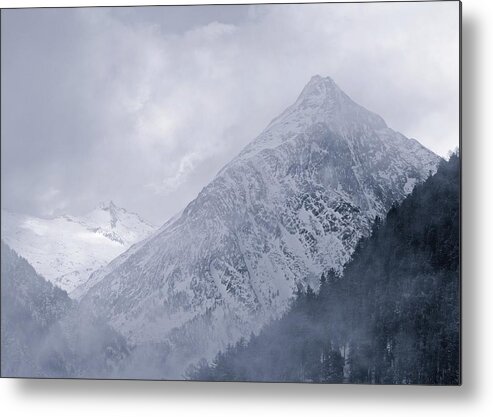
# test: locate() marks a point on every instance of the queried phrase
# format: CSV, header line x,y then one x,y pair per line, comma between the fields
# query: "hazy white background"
x,y
109,398
144,105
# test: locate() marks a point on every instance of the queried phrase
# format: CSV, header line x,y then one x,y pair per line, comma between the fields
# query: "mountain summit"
x,y
291,205
322,96
320,102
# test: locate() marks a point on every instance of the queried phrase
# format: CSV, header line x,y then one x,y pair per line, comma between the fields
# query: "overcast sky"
x,y
143,106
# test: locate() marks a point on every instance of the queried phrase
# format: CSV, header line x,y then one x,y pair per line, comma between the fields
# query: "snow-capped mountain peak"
x,y
66,249
320,89
323,100
323,104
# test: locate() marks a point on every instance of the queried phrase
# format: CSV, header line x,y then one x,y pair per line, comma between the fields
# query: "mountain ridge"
x,y
293,203
393,317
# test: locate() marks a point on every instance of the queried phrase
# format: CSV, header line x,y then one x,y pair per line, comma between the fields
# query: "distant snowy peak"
x,y
116,223
67,249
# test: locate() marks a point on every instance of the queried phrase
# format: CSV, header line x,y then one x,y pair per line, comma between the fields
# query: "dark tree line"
x,y
393,317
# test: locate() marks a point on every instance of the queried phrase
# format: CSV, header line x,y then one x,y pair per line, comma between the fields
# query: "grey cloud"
x,y
145,105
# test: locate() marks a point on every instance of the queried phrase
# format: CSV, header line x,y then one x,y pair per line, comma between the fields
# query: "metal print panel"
x,y
232,193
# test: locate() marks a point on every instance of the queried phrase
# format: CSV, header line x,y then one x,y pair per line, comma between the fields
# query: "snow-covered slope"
x,y
293,203
67,249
